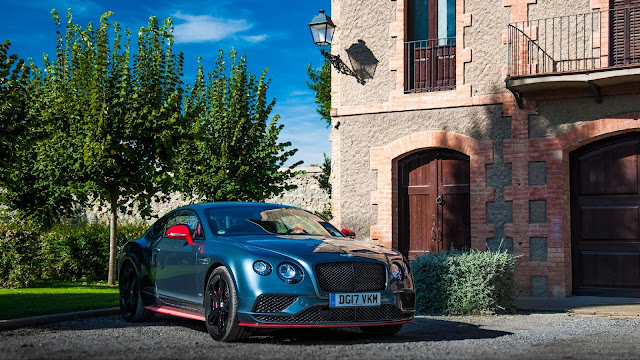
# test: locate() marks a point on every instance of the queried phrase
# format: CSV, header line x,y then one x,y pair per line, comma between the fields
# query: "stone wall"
x,y
308,195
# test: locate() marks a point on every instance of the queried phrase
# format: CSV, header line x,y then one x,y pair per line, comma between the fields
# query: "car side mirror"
x,y
349,233
180,232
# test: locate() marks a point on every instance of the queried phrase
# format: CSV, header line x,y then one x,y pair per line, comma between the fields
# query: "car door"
x,y
174,261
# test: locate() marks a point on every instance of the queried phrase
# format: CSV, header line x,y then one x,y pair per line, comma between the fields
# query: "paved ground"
x,y
521,336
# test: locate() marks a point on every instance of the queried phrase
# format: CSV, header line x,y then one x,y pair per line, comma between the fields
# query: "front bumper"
x,y
286,310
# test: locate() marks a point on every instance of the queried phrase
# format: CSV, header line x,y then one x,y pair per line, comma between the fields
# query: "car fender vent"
x,y
272,303
408,300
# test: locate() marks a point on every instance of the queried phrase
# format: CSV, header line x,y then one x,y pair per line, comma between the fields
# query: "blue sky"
x,y
273,34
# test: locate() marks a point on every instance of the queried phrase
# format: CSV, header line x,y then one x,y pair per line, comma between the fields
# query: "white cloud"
x,y
254,38
300,93
205,28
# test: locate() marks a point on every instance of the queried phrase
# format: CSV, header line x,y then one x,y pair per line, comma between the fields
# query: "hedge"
x,y
464,282
64,252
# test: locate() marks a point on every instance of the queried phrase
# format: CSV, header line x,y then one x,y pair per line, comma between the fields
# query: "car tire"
x,y
382,330
131,305
220,308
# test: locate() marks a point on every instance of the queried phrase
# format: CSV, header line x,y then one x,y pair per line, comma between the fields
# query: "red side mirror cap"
x,y
180,232
348,233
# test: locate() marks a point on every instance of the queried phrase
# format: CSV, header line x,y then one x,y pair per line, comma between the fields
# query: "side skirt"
x,y
168,310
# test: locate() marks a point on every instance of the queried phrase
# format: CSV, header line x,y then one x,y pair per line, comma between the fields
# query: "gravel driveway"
x,y
534,336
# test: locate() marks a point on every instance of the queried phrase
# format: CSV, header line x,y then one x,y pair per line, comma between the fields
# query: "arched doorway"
x,y
433,202
605,213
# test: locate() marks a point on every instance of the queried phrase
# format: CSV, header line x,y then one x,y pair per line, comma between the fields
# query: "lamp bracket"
x,y
339,65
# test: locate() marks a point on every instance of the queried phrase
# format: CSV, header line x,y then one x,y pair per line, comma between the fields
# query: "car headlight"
x,y
262,267
290,273
396,271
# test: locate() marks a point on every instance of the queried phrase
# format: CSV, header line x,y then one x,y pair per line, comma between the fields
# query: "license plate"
x,y
354,299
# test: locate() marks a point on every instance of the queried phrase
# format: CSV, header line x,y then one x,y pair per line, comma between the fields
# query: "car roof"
x,y
203,206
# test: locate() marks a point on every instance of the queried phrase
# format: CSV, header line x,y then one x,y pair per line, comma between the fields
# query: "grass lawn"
x,y
54,297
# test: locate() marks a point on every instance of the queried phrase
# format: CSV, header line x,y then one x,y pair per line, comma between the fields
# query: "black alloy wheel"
x,y
220,304
131,306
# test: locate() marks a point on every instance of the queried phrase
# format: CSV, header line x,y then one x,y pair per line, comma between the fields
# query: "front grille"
x,y
325,314
408,300
273,303
351,276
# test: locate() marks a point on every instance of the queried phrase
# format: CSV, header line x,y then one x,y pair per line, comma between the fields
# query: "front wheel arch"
x,y
130,294
221,307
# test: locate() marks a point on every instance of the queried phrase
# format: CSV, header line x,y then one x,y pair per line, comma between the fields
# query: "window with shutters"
x,y
430,50
625,32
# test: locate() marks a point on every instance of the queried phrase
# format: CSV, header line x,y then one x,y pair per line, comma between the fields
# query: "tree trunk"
x,y
113,243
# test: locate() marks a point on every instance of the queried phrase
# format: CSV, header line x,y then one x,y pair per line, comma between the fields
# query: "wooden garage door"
x,y
433,201
605,197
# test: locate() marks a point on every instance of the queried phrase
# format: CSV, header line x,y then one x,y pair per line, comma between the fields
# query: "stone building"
x,y
487,123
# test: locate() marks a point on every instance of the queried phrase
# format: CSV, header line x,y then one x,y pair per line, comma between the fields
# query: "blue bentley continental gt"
x,y
242,267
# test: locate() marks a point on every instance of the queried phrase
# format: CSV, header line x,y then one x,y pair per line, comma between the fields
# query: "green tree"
x,y
26,189
230,149
320,82
325,175
111,119
14,84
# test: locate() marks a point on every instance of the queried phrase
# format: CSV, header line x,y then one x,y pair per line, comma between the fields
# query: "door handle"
x,y
439,200
156,250
433,234
439,234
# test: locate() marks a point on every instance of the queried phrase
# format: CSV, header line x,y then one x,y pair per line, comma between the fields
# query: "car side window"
x,y
188,218
157,230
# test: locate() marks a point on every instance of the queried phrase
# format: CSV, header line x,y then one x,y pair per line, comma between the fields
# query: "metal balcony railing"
x,y
574,43
430,65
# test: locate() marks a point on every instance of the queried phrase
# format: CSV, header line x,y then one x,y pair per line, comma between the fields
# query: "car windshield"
x,y
261,220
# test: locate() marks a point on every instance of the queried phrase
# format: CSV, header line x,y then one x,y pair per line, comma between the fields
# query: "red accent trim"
x,y
266,325
167,310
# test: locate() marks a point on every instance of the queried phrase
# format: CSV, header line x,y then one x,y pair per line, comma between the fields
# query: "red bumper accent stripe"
x,y
167,310
267,325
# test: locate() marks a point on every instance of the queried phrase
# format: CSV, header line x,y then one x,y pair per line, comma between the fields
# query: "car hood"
x,y
309,246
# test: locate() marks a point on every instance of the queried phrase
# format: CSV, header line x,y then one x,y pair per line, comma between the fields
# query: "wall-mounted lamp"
x,y
322,32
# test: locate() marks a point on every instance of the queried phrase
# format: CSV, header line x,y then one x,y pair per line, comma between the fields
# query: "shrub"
x,y
81,252
19,255
63,252
464,282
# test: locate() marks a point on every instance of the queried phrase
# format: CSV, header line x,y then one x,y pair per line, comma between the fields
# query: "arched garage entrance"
x,y
605,213
433,202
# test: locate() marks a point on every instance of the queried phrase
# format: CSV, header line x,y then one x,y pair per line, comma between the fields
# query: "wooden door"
x,y
605,197
433,202
625,32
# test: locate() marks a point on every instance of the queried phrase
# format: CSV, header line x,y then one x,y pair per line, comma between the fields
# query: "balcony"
x,y
430,65
590,50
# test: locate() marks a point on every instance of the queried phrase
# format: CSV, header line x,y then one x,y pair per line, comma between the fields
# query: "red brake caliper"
x,y
217,304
